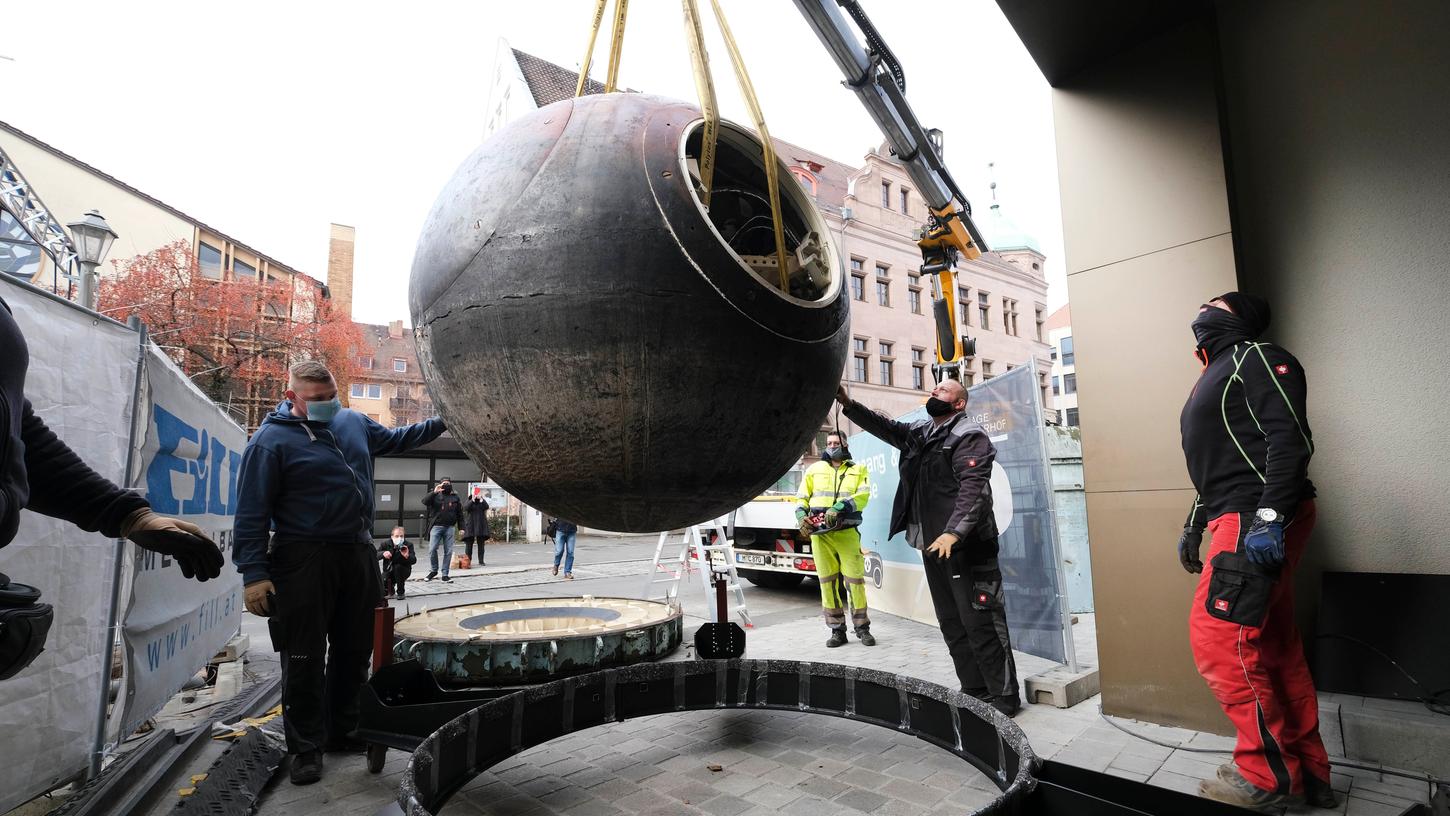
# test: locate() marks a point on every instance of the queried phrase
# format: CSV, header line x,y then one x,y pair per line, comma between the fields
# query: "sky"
x,y
269,120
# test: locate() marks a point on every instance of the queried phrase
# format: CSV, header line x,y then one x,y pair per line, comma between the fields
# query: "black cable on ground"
x,y
1437,701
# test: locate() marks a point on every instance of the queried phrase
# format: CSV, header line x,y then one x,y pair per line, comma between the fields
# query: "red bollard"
x,y
382,636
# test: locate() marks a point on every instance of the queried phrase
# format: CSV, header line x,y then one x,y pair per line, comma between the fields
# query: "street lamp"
x,y
93,237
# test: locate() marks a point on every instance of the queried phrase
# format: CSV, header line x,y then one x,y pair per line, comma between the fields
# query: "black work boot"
x,y
306,767
863,634
1318,793
838,638
1007,705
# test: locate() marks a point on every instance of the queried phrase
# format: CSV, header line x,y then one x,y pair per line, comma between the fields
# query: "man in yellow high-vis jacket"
x,y
832,495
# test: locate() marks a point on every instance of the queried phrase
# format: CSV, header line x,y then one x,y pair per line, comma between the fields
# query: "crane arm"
x,y
873,72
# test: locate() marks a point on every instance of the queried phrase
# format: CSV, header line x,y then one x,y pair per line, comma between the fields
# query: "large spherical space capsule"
x,y
600,344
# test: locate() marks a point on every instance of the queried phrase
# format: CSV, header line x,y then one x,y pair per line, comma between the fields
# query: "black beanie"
x,y
1253,310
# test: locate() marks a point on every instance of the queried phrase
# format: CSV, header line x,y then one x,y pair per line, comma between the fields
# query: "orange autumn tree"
x,y
234,338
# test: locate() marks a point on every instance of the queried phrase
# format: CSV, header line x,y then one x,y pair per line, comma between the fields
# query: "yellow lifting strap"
x,y
772,178
705,88
589,52
616,49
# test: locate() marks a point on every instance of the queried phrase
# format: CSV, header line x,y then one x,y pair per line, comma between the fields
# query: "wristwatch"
x,y
1269,515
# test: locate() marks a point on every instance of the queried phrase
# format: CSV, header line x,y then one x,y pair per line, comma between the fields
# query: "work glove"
x,y
187,545
1188,545
833,512
942,546
1264,543
254,598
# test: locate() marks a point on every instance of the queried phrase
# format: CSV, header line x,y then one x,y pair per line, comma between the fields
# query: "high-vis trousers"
x,y
1248,648
841,570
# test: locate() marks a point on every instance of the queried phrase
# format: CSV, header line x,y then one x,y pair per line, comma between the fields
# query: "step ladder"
x,y
671,571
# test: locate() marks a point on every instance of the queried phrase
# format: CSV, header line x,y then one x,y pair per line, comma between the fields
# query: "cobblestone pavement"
x,y
784,762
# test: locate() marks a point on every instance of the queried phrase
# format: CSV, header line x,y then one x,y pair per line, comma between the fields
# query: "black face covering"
x,y
1216,329
938,408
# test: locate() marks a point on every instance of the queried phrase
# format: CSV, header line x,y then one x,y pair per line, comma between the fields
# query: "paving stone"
x,y
638,772
821,786
790,777
1175,781
811,806
795,758
735,784
772,795
593,807
611,789
912,792
567,765
862,800
726,805
1135,764
863,778
641,800
565,797
909,769
542,786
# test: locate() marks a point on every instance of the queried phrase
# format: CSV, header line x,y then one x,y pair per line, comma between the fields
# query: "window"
x,y
857,265
905,198
858,374
1072,417
913,292
400,364
242,269
1010,366
209,258
1067,355
367,390
365,361
860,345
806,180
883,292
964,304
858,287
918,378
886,378
883,271
886,349
1069,384
986,369
1053,352
1056,386
402,390
357,389
918,355
1042,386
1009,316
1039,323
984,306
885,195
968,378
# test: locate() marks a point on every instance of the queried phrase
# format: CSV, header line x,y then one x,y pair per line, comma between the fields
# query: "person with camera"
x,y
445,508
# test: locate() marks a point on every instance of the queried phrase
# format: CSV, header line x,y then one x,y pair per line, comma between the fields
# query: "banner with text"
x,y
190,451
1008,408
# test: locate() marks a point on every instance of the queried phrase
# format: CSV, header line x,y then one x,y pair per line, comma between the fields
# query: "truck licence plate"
x,y
750,558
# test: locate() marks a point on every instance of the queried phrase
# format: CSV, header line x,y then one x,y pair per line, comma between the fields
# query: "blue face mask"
x,y
323,411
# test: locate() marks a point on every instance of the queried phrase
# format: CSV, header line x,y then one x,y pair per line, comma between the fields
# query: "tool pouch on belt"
x,y
986,584
24,624
1239,589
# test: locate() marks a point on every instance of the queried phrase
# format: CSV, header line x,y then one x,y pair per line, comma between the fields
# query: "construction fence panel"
x,y
80,381
189,455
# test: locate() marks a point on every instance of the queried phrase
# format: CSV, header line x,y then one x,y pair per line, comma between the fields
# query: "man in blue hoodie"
x,y
307,480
